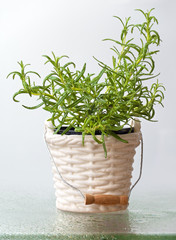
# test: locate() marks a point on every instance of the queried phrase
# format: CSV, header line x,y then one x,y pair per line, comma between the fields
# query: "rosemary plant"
x,y
109,100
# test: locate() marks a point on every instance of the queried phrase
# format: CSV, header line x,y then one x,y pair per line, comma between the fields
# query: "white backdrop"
x,y
29,29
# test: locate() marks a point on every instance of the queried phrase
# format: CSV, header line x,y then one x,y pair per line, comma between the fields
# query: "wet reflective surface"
x,y
29,213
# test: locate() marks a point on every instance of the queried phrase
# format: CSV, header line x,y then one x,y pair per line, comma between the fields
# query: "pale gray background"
x,y
29,29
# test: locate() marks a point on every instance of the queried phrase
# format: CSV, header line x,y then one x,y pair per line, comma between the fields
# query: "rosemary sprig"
x,y
107,101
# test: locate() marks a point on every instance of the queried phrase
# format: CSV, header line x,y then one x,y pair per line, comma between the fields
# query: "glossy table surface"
x,y
32,215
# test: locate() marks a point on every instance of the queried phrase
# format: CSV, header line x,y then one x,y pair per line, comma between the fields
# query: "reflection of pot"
x,y
86,168
77,223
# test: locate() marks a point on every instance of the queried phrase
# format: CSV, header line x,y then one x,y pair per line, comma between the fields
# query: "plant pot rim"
x,y
125,130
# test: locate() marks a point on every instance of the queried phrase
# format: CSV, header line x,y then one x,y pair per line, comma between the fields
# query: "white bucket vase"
x,y
87,169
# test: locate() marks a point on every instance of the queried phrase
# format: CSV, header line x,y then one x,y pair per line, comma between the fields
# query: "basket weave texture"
x,y
86,168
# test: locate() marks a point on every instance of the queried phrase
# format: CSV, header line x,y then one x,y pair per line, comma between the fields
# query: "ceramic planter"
x,y
86,168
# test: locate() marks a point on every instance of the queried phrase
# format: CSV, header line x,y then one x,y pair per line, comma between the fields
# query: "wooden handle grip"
x,y
106,199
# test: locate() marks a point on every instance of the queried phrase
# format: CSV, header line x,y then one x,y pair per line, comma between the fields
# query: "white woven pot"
x,y
86,168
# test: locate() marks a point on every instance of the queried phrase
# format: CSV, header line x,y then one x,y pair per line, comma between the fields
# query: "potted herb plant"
x,y
89,133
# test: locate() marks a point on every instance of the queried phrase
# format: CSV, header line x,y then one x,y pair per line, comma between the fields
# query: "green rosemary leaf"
x,y
141,11
143,79
49,60
113,128
66,130
104,145
14,74
109,39
57,129
33,73
81,73
120,20
95,138
34,107
21,91
83,138
63,97
117,137
68,64
97,78
14,96
76,102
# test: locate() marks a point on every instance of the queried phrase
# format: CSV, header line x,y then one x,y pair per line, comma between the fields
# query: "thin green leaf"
x,y
117,137
34,107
